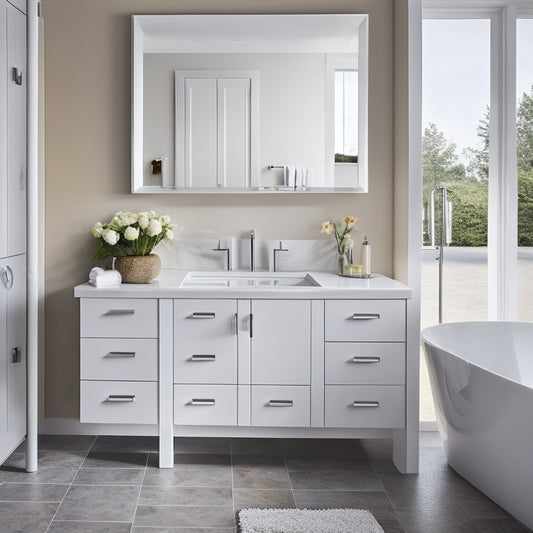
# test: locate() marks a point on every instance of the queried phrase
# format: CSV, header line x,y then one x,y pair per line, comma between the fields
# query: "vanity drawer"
x,y
119,359
365,320
281,406
205,405
216,367
365,406
118,402
118,317
358,363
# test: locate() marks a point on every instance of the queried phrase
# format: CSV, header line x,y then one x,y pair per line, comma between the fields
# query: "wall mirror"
x,y
249,103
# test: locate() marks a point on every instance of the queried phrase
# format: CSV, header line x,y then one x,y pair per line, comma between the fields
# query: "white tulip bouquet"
x,y
132,234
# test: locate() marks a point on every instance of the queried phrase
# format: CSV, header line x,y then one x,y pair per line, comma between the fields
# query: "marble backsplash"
x,y
200,254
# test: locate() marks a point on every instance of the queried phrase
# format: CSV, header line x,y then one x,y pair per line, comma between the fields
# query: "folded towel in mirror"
x,y
104,278
289,176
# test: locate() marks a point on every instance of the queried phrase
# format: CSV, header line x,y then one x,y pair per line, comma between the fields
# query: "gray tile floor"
x,y
112,484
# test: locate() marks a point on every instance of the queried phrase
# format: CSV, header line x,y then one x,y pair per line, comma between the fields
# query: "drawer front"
x,y
365,320
365,406
205,345
281,406
205,405
359,363
119,359
118,402
118,317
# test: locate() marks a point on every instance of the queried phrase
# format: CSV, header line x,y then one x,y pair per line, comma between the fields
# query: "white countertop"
x,y
167,285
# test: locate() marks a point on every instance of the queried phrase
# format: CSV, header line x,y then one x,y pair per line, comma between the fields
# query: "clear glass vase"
x,y
343,259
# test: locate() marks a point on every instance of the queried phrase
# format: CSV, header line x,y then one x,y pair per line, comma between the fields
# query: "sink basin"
x,y
242,280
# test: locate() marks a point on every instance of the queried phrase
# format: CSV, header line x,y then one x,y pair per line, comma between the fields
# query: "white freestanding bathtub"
x,y
481,375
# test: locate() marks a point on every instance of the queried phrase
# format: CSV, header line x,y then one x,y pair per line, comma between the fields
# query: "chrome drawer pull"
x,y
357,359
121,398
203,357
202,315
118,312
365,316
365,404
202,401
117,355
280,403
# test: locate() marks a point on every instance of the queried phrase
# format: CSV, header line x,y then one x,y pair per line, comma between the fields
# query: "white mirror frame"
x,y
141,42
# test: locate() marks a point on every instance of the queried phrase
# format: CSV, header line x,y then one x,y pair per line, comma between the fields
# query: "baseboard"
x,y
428,425
72,426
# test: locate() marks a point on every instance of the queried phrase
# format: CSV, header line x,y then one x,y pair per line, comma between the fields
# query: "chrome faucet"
x,y
252,250
219,249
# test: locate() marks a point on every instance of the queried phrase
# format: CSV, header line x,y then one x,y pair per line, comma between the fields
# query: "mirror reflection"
x,y
240,103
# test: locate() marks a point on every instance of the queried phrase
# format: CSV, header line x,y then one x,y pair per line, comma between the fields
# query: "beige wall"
x,y
87,106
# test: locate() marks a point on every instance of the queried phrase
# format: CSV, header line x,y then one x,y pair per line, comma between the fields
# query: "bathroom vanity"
x,y
265,354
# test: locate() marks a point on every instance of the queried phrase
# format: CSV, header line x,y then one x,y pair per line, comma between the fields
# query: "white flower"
x,y
165,219
126,219
327,227
131,233
154,228
143,221
169,235
110,236
97,229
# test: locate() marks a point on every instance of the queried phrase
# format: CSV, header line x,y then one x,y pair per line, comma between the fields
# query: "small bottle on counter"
x,y
366,258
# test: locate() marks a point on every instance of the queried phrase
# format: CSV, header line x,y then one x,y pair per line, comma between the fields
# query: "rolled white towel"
x,y
101,278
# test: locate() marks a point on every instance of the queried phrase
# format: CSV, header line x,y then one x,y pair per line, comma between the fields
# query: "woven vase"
x,y
138,268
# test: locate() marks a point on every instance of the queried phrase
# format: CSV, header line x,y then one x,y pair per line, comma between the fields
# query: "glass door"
x,y
455,151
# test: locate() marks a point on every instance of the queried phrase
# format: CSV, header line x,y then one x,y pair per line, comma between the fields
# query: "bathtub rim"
x,y
424,340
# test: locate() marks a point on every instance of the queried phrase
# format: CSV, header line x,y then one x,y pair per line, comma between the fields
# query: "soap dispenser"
x,y
366,258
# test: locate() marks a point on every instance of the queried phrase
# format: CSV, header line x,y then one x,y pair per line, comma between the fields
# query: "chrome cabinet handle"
x,y
365,404
6,275
202,315
17,75
16,355
118,355
236,323
121,398
202,401
202,357
119,312
251,325
365,316
280,403
357,359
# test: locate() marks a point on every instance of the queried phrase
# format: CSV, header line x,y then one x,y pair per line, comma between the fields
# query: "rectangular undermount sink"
x,y
242,280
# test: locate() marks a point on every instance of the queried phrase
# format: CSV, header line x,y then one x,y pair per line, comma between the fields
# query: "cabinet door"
x,y
205,341
281,342
3,353
16,131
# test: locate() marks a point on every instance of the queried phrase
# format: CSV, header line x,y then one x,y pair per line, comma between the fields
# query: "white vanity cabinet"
x,y
119,361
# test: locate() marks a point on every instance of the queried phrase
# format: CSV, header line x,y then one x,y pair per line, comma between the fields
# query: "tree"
x,y
478,165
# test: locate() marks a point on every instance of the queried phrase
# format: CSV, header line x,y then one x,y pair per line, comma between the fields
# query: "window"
x,y
346,122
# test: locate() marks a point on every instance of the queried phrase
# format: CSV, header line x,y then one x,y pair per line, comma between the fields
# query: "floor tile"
x,y
26,517
54,467
109,476
327,463
183,530
260,472
377,448
390,525
185,496
99,503
337,480
375,502
446,517
68,526
27,492
207,476
119,443
115,460
4,475
263,499
201,445
198,516
200,460
500,525
339,447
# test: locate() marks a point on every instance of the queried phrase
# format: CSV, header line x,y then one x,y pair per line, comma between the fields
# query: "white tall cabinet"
x,y
13,101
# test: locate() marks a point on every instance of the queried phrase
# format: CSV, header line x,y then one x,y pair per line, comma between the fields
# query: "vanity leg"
x,y
166,384
405,451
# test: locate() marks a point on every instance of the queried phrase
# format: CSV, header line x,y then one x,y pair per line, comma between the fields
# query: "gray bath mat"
x,y
307,521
